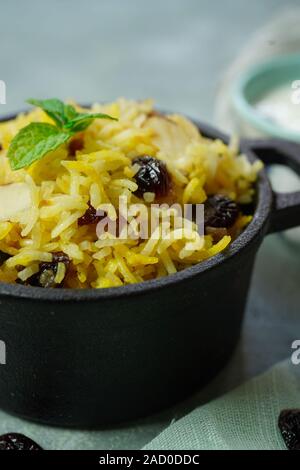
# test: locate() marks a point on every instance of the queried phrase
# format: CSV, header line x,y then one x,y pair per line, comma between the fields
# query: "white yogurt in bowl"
x,y
281,105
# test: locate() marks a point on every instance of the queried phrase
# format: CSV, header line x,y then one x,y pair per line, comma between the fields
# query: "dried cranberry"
x,y
75,145
16,441
152,176
3,257
220,211
90,216
60,257
1,147
289,425
45,277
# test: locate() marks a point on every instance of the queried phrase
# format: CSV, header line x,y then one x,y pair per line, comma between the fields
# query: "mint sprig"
x,y
37,139
54,108
83,120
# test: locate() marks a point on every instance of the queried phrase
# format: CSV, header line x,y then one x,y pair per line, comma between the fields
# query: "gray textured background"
x,y
172,50
176,52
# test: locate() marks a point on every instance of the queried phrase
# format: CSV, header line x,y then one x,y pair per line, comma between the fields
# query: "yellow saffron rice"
x,y
99,171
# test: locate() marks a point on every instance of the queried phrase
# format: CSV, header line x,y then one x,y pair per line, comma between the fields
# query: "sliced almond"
x,y
14,198
187,126
172,134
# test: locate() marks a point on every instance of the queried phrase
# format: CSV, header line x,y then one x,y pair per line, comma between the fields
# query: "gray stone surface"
x,y
176,52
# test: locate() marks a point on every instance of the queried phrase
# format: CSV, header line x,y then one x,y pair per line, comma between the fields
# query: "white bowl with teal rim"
x,y
260,81
251,89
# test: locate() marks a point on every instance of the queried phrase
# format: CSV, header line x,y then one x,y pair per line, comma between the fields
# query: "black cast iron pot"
x,y
90,357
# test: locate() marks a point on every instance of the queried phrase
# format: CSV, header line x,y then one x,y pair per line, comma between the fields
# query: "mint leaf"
x,y
54,108
83,120
69,112
66,116
33,142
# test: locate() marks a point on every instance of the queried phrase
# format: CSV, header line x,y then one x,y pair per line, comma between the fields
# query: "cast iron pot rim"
x,y
262,212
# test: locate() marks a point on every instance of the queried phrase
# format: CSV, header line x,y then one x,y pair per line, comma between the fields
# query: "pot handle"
x,y
286,210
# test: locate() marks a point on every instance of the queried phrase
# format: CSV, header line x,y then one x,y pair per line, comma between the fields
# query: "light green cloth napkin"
x,y
245,418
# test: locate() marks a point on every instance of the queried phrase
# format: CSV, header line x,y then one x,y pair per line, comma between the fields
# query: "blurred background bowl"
x,y
256,83
249,89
